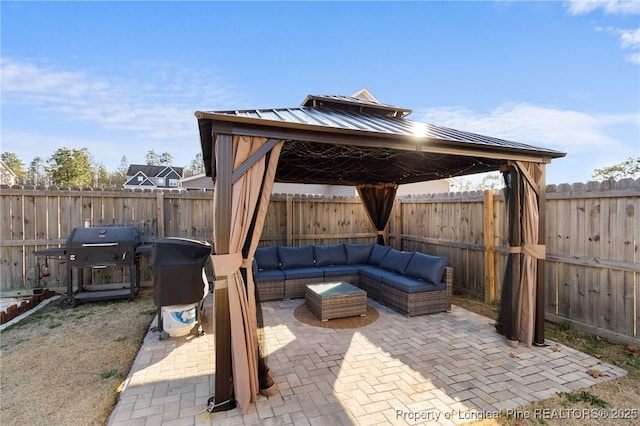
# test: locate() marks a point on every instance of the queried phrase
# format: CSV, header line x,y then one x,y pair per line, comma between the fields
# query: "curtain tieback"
x,y
537,251
380,232
226,264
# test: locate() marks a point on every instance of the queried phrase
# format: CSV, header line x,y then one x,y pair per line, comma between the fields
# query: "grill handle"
x,y
99,244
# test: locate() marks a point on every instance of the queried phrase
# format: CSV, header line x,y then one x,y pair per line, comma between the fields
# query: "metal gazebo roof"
x,y
347,141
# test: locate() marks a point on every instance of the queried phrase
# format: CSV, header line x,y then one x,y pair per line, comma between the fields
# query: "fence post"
x,y
489,248
160,207
289,219
397,228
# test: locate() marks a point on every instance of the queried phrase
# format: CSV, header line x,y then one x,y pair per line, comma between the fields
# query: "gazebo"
x,y
350,140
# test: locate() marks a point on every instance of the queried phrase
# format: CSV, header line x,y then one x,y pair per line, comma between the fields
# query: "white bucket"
x,y
178,320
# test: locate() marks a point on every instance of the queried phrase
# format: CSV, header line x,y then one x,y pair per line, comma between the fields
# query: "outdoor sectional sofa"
x,y
412,283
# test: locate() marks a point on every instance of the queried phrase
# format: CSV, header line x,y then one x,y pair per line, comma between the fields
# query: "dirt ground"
x,y
66,367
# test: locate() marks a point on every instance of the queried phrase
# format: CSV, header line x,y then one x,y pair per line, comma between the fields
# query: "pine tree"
x,y
71,167
16,165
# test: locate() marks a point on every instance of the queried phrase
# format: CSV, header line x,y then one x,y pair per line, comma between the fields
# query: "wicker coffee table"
x,y
335,300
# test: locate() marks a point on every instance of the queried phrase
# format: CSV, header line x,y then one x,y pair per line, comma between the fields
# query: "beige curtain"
x,y
246,199
531,250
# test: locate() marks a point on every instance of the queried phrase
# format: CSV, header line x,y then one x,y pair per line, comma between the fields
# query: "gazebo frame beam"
x,y
377,140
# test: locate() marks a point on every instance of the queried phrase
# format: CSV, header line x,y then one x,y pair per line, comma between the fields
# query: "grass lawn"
x,y
66,367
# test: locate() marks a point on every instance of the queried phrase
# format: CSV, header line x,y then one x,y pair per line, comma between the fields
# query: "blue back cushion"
x,y
377,254
333,254
296,257
358,253
427,268
396,260
267,258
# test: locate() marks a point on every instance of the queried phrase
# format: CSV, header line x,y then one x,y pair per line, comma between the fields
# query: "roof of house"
x,y
346,140
148,170
7,169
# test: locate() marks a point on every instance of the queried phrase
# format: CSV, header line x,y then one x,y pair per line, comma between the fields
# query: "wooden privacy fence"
x,y
591,272
592,267
32,219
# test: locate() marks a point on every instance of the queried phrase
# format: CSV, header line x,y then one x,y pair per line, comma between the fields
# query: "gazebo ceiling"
x,y
344,140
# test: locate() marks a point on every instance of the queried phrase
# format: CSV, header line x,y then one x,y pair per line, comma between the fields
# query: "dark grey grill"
x,y
109,246
100,247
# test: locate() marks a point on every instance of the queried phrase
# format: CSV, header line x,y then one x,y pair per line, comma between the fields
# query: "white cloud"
x,y
634,58
128,116
581,7
590,140
554,128
161,107
630,38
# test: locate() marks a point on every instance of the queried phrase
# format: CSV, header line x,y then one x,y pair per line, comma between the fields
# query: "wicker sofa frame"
x,y
406,302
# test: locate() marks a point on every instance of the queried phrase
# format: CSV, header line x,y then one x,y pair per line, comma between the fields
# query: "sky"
x,y
123,78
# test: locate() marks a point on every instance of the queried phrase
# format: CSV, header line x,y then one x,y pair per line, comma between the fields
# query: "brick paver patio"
x,y
447,368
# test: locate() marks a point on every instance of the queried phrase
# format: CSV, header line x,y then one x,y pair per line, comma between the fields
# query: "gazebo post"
x,y
538,336
223,395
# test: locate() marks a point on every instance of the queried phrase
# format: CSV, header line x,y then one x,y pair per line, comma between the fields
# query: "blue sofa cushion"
x,y
303,273
296,257
358,253
269,275
378,252
338,270
409,285
333,254
267,258
396,260
375,273
430,269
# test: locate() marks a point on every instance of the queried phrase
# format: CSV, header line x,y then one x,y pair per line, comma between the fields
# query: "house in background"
x,y
152,177
7,176
203,182
427,187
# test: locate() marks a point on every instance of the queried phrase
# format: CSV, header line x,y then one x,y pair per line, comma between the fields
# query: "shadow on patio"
x,y
447,368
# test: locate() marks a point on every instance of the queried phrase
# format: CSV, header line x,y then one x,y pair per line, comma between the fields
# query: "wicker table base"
x,y
335,300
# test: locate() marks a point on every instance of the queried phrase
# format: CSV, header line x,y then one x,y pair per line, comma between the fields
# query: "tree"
x,y
119,177
629,168
166,158
101,176
491,180
153,159
196,166
71,167
16,165
37,174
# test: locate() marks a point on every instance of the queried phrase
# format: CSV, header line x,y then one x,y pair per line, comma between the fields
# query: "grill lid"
x,y
111,235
